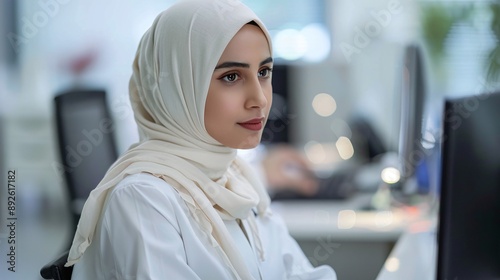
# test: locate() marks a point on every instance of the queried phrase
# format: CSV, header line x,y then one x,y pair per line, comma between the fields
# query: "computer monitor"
x,y
469,212
412,93
277,127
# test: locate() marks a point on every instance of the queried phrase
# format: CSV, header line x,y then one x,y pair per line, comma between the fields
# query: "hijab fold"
x,y
168,89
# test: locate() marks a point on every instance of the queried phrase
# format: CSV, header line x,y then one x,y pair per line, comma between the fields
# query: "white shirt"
x,y
147,232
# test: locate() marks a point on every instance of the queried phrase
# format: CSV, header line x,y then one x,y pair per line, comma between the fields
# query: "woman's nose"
x,y
256,94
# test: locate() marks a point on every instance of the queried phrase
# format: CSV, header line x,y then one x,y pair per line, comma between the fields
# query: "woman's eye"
x,y
230,77
265,72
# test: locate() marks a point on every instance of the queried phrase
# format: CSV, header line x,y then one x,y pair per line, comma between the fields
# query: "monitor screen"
x,y
469,215
277,126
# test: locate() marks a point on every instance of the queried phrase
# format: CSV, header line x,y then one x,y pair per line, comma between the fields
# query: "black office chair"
x,y
56,270
86,143
87,149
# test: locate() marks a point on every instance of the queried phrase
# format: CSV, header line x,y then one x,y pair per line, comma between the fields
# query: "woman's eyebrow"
x,y
230,64
266,61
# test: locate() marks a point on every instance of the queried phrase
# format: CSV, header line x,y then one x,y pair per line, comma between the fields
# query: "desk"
x,y
355,242
413,258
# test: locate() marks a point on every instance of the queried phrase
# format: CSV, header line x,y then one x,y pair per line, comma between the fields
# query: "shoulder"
x,y
144,184
144,195
140,180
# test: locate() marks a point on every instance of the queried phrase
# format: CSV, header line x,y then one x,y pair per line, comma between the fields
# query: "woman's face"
x,y
240,92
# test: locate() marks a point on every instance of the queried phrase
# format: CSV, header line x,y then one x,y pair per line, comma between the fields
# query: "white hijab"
x,y
168,89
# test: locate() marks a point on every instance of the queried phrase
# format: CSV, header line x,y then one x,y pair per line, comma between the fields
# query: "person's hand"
x,y
286,169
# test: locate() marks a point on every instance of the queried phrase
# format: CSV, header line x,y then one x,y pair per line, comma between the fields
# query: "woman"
x,y
179,204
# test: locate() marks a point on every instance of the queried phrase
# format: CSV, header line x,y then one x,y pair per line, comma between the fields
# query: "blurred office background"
x,y
342,58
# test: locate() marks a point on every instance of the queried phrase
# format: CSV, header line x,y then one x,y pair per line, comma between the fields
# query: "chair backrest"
x,y
56,269
86,141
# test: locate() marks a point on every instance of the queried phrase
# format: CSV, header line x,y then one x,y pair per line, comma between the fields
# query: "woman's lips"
x,y
253,124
